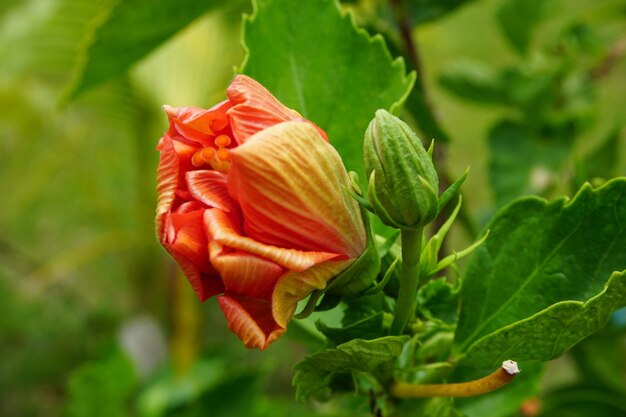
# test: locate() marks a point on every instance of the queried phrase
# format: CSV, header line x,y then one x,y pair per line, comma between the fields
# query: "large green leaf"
x,y
423,11
522,163
519,18
538,285
601,163
315,60
430,407
601,358
475,82
126,31
316,371
101,388
369,328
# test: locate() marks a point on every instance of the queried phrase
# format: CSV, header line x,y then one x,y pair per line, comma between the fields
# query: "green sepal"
x,y
356,193
448,260
385,246
429,262
431,149
377,207
354,182
429,259
368,328
329,301
434,208
362,201
378,287
451,191
358,276
310,305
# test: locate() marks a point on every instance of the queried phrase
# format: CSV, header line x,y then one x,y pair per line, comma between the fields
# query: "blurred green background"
x,y
95,319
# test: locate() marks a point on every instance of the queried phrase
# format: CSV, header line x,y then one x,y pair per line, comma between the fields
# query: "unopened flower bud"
x,y
403,182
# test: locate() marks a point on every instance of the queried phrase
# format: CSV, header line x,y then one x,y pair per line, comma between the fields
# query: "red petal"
x,y
167,182
220,228
205,284
246,274
190,206
195,123
186,237
254,108
187,243
251,320
210,188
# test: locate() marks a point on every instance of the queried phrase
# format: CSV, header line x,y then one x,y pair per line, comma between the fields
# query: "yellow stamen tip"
x,y
222,140
197,160
207,154
222,154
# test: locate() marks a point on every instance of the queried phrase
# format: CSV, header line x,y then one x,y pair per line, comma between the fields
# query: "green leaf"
x,y
314,59
368,328
101,388
601,163
422,11
519,18
418,106
431,407
126,31
452,190
551,332
363,306
511,161
538,284
583,402
522,163
438,300
475,82
316,371
601,359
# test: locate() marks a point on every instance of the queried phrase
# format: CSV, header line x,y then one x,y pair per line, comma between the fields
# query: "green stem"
x,y
411,252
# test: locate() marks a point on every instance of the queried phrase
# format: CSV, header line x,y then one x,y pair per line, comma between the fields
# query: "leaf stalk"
x,y
409,279
491,382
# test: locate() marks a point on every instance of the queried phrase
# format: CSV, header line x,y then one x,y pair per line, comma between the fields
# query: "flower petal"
x,y
187,243
245,274
251,320
205,284
167,182
186,237
210,188
292,189
220,228
195,123
295,286
254,108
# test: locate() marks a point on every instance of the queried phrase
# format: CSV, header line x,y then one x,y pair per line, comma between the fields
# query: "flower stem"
x,y
492,382
411,252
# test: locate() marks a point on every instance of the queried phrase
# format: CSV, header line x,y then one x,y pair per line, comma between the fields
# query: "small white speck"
x,y
540,178
510,367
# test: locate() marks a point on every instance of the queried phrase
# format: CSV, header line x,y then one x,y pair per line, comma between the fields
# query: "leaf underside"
x,y
538,285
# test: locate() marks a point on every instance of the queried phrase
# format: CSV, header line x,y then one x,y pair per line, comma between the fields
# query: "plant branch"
x,y
610,61
491,382
407,293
